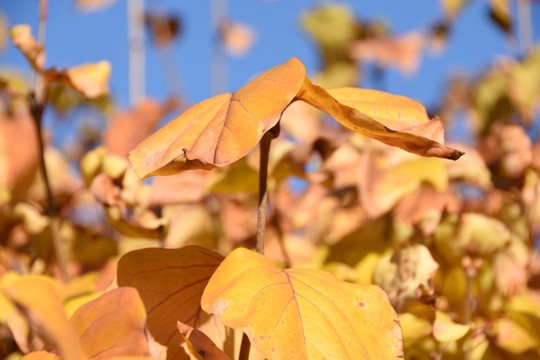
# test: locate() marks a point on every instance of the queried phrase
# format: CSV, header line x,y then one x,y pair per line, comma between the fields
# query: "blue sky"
x,y
74,37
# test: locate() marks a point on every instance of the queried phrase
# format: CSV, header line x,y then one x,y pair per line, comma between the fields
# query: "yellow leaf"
x,y
222,129
112,325
39,297
410,139
90,79
302,313
170,283
21,35
445,330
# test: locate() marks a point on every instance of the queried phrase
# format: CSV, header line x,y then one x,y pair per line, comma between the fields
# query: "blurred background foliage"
x,y
452,243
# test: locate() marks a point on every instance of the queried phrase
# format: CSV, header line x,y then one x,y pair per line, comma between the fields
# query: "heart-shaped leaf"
x,y
302,313
170,283
222,129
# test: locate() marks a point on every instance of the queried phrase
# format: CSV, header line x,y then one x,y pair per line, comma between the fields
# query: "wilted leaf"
x,y
44,312
201,344
21,35
170,284
112,325
446,330
301,313
222,129
407,273
355,116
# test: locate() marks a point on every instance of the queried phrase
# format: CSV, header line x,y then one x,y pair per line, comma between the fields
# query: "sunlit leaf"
x,y
21,35
301,313
446,330
112,325
170,283
90,79
44,312
356,119
222,129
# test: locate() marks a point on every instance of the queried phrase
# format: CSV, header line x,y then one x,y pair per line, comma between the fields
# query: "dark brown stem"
x,y
264,146
245,347
37,109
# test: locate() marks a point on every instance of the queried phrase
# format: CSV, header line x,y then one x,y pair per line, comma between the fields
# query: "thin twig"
x,y
264,146
37,102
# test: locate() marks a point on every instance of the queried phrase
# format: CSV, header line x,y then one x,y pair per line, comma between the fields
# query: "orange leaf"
x,y
170,283
39,298
222,129
112,325
302,313
355,116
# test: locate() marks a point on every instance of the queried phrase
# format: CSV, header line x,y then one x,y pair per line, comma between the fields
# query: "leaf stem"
x,y
245,347
263,176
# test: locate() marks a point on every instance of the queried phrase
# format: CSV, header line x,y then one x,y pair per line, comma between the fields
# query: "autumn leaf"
x,y
224,128
21,35
170,283
301,313
112,325
199,343
44,312
355,119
